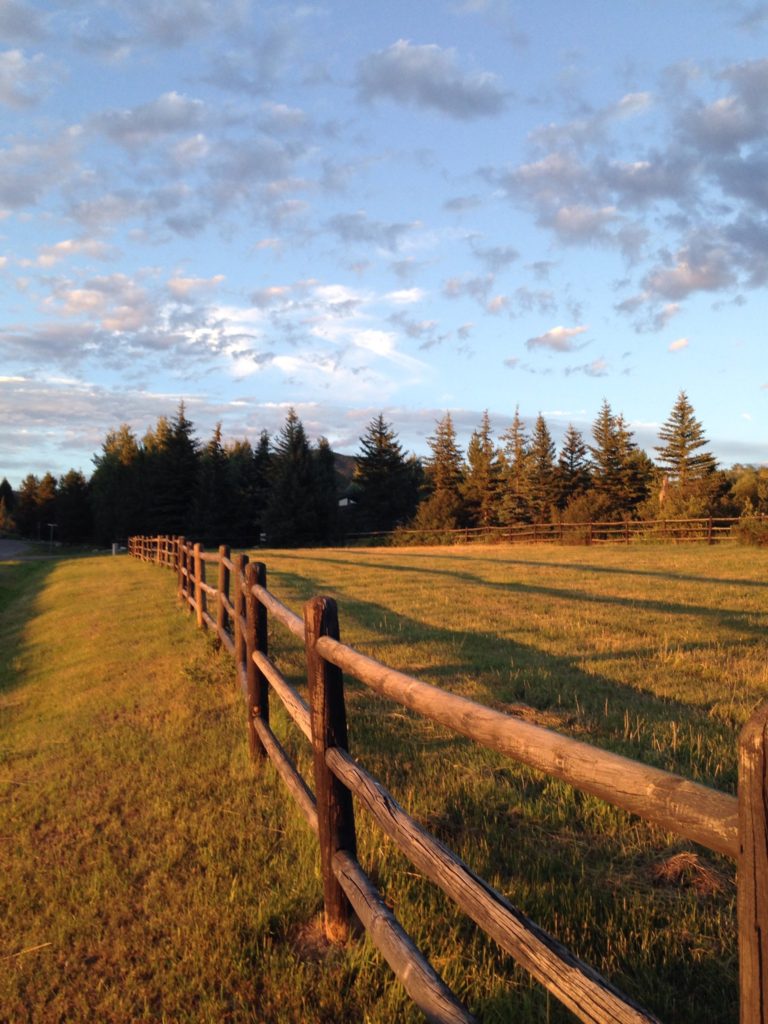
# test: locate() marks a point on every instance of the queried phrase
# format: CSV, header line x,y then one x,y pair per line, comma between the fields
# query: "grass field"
x,y
153,876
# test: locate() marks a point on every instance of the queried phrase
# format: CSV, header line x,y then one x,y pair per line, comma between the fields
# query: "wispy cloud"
x,y
557,339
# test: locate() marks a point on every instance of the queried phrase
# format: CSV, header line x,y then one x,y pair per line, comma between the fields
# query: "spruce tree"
x,y
73,508
541,473
516,489
572,475
116,488
480,489
324,492
680,455
621,473
290,511
213,499
442,509
384,488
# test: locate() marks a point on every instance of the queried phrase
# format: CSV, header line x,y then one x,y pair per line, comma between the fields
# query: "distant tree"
x,y
680,455
621,474
47,493
116,488
383,482
7,522
443,508
73,508
290,511
324,492
541,471
516,493
26,512
572,472
7,495
173,470
481,485
211,518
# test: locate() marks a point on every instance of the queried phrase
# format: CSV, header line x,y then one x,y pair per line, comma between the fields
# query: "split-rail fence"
x,y
235,608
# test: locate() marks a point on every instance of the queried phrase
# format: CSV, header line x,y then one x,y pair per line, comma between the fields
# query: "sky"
x,y
353,207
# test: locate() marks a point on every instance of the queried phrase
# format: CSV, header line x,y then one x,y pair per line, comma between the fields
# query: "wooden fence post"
x,y
180,589
255,640
222,585
752,871
335,814
238,601
199,580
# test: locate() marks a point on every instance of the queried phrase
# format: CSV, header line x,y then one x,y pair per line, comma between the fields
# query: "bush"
x,y
752,530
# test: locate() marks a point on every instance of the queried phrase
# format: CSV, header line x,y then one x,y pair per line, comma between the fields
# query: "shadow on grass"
x,y
742,622
502,673
21,583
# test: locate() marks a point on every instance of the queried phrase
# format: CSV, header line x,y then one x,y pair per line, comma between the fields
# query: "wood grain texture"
x,y
283,614
752,872
288,772
589,996
335,815
296,707
697,812
419,979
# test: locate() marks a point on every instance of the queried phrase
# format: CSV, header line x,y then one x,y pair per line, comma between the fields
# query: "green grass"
x,y
164,880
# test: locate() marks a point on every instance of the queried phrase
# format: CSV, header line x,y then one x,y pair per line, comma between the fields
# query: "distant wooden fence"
x,y
236,606
681,531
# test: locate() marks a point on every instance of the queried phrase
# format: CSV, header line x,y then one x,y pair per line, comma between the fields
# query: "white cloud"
x,y
678,345
183,288
428,76
406,296
558,339
23,80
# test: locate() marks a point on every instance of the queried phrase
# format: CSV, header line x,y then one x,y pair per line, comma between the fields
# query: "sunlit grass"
x,y
154,876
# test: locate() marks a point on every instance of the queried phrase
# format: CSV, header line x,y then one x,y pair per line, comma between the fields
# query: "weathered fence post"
x,y
335,814
222,585
199,580
752,870
238,601
255,640
180,567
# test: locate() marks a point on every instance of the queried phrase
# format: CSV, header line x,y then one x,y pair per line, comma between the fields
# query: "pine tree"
x,y
442,509
384,489
290,511
73,508
7,495
324,492
480,489
116,488
573,476
621,473
213,500
541,474
680,455
26,517
516,493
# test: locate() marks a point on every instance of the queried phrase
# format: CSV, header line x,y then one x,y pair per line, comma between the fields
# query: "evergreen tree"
x,y
47,493
324,493
384,484
213,502
116,488
541,474
73,508
621,474
27,521
247,486
442,509
516,494
172,476
572,475
680,454
7,495
290,511
480,488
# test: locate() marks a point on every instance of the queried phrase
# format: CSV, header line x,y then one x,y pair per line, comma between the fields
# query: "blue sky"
x,y
353,207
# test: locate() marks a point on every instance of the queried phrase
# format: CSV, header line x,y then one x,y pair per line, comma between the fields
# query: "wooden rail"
x,y
681,531
737,827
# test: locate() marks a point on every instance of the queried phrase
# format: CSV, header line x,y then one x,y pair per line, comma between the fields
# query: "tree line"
x,y
286,491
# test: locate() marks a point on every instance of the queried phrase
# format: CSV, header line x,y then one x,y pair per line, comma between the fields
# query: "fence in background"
x,y
236,609
681,531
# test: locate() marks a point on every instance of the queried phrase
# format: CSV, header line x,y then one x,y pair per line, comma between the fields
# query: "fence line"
x,y
709,530
735,826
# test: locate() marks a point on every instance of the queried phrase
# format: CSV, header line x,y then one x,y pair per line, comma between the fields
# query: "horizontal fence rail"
x,y
710,530
236,609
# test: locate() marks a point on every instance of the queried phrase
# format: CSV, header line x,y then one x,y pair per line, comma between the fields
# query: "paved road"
x,y
11,548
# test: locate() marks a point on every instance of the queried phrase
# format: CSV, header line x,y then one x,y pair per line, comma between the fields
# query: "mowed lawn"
x,y
150,873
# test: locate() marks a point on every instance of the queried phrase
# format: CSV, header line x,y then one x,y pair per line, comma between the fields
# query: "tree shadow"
x,y
21,584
